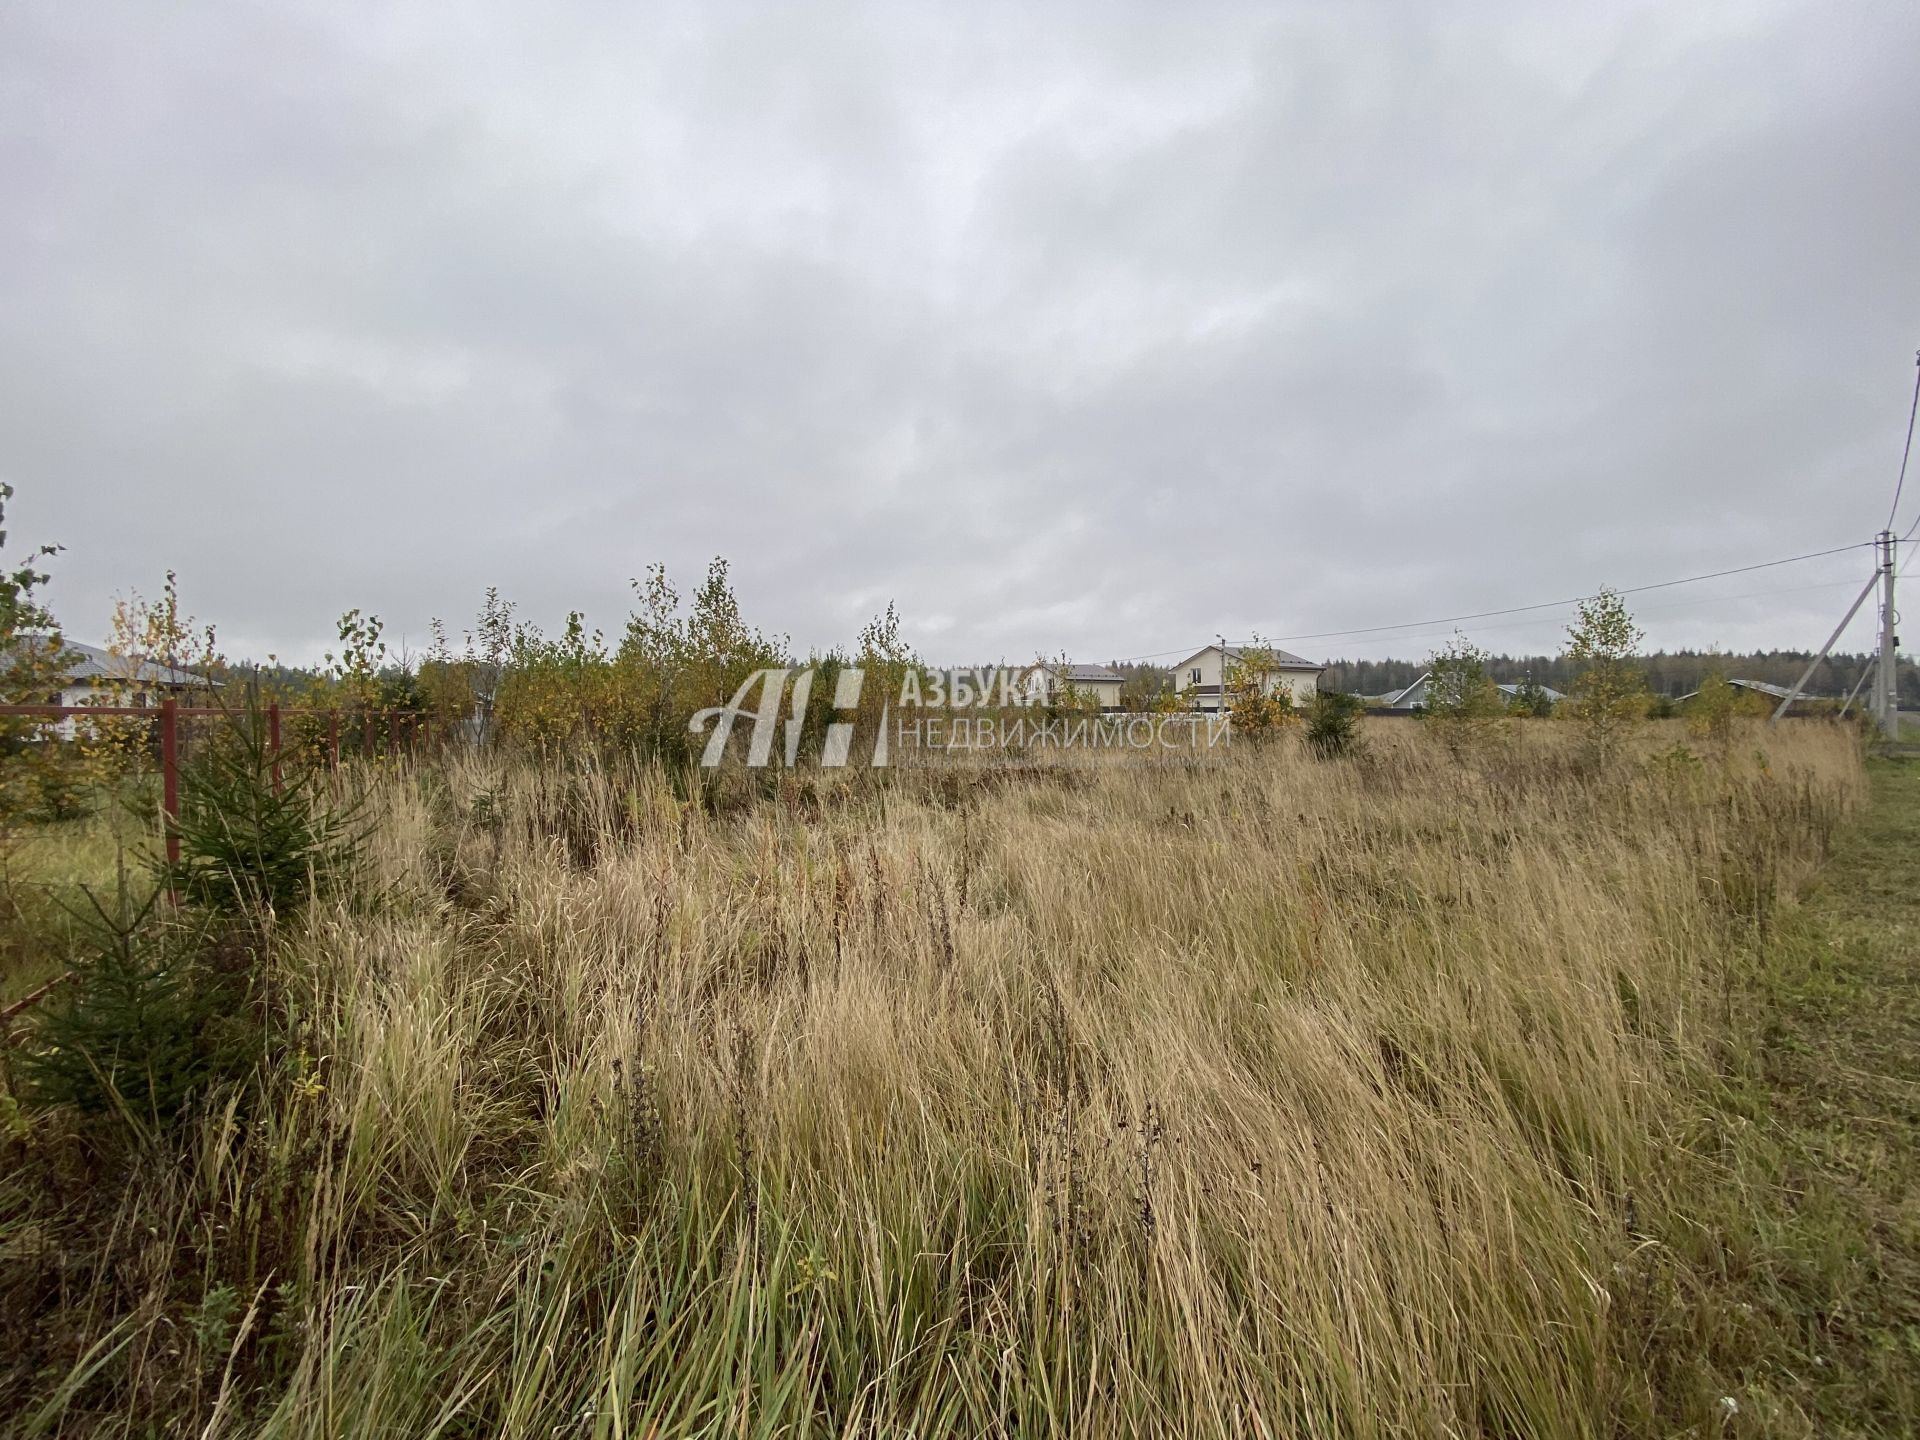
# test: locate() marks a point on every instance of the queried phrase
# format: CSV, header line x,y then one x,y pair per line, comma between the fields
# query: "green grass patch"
x,y
1809,1263
43,869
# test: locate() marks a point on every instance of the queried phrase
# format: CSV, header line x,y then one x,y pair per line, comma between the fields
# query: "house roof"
x,y
1285,659
89,663
1395,698
1778,692
1072,672
1759,687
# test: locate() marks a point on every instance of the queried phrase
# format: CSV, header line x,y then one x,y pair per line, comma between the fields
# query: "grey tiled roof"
x,y
1778,692
1395,699
1071,672
86,663
1283,657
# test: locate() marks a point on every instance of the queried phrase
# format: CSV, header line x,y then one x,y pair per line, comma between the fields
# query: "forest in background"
x,y
1669,673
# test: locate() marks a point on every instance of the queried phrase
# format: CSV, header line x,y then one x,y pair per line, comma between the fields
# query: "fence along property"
x,y
406,732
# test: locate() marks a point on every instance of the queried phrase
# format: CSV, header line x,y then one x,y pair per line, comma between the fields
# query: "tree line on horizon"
x,y
675,656
1670,673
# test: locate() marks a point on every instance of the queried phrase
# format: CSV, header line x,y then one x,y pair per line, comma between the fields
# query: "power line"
x,y
1554,621
1900,484
1546,621
1524,609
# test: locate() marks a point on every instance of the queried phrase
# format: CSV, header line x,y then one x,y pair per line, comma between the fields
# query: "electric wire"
x,y
1524,609
1906,453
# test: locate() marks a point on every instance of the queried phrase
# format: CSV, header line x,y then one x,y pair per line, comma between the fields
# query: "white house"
x,y
99,677
1201,674
1040,683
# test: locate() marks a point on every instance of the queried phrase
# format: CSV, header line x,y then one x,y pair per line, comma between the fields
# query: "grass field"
x,y
1818,1229
1411,1094
42,875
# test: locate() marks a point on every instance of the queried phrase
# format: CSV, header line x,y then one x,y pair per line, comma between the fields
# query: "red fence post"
x,y
170,776
393,733
333,739
273,740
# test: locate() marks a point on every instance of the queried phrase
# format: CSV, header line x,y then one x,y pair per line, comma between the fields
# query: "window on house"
x,y
1193,676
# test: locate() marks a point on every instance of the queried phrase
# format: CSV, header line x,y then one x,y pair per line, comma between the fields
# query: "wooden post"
x,y
393,733
273,740
170,775
366,735
333,739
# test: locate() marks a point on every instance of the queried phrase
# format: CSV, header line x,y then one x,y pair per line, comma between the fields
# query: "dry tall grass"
x,y
1270,1098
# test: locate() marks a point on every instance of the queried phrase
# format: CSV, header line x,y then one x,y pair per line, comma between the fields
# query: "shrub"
x,y
1333,724
1462,700
1531,700
1258,704
40,779
1715,707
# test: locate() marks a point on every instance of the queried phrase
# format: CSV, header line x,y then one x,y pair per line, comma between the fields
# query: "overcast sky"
x,y
1078,329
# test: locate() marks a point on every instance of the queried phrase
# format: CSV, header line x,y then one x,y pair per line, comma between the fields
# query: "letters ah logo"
x,y
835,746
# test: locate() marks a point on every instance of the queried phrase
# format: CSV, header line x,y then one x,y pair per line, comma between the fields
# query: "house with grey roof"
x,y
1044,681
93,676
1414,696
1753,687
1201,675
92,672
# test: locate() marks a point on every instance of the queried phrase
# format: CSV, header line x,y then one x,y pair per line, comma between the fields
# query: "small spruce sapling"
x,y
144,1025
253,840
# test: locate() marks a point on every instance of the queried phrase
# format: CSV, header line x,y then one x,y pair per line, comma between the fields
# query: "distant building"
x,y
99,677
1201,674
1512,692
1752,687
93,676
1042,682
1414,696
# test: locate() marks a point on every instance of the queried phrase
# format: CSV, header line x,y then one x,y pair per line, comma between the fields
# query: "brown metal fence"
x,y
406,732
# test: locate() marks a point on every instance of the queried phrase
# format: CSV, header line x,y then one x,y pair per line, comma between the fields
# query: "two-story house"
x,y
1042,683
1201,674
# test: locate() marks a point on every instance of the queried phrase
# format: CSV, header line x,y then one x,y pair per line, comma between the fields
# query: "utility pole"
x,y
1889,677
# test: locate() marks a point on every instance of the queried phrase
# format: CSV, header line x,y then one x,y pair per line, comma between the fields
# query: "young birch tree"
x,y
33,671
1463,703
1609,685
1259,702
